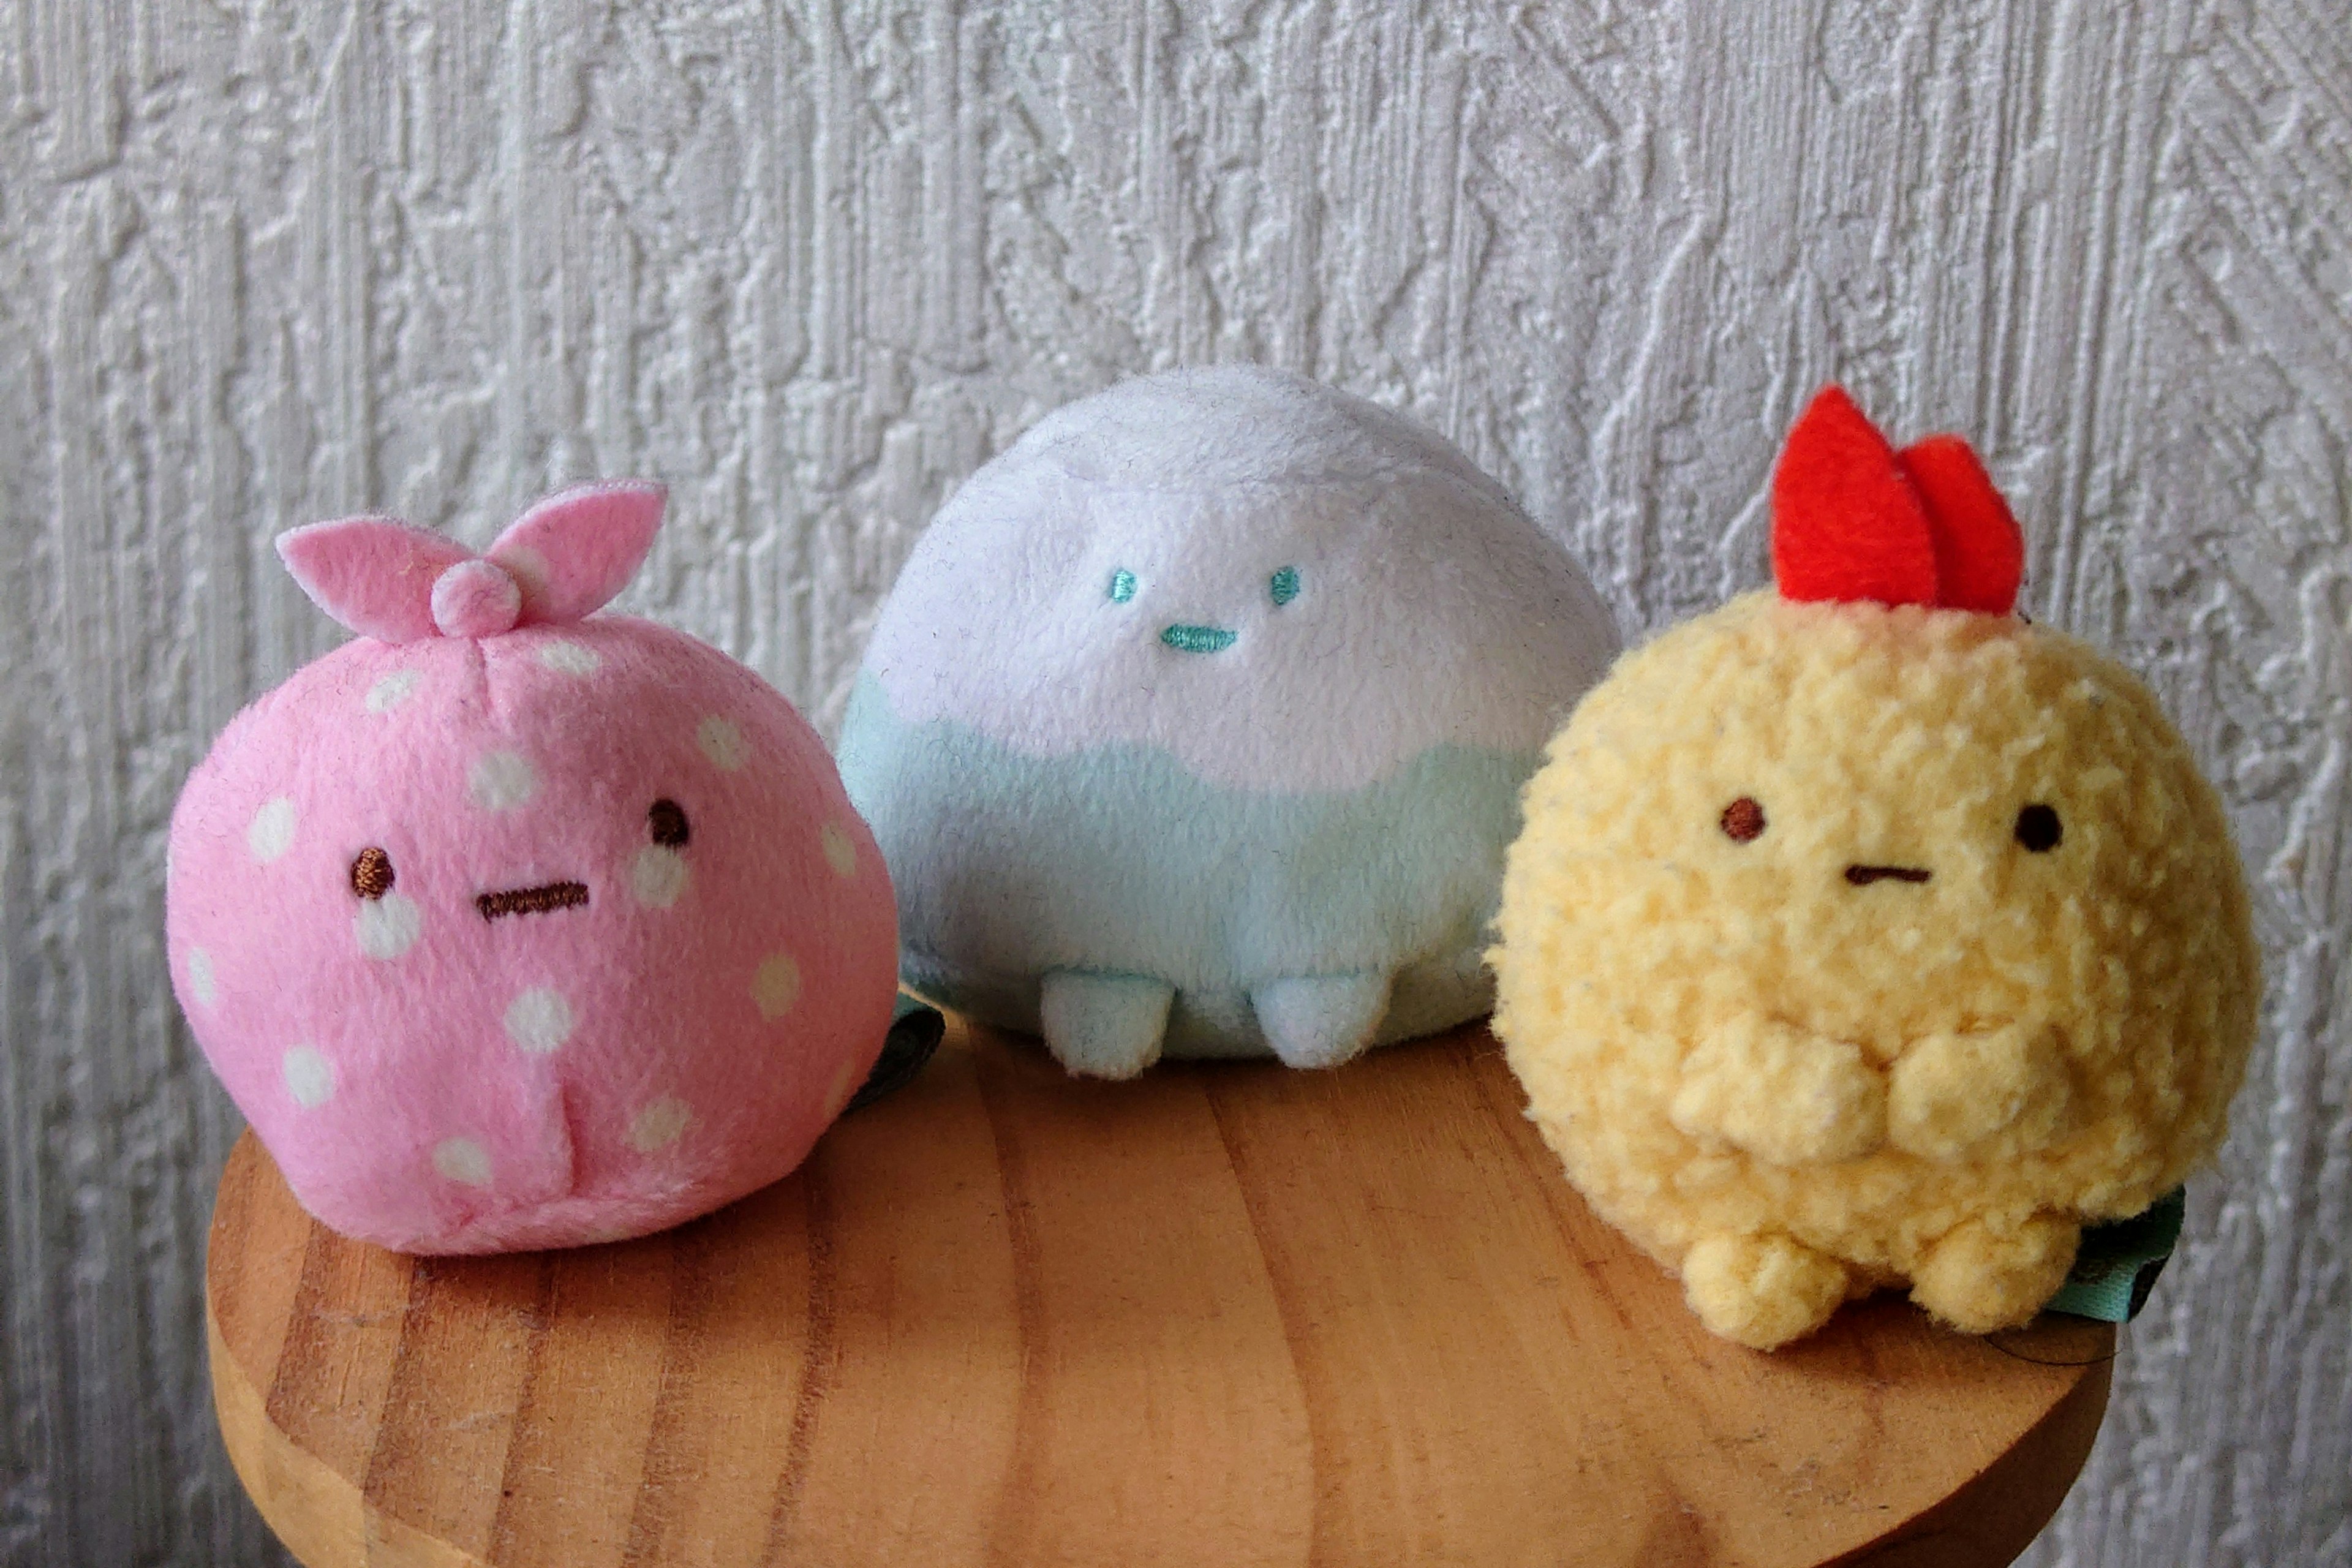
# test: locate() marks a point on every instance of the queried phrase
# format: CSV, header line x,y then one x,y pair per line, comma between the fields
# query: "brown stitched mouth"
x,y
1863,876
532,900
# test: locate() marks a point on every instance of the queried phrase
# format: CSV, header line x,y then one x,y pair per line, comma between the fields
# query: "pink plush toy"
x,y
511,926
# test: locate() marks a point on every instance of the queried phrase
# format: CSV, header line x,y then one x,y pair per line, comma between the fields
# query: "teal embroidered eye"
x,y
1284,584
1122,586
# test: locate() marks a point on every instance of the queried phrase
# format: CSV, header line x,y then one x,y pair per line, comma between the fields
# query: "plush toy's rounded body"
x,y
540,936
1196,722
1850,944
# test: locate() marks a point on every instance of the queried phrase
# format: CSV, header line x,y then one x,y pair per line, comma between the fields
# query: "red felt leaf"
x,y
1979,550
1846,522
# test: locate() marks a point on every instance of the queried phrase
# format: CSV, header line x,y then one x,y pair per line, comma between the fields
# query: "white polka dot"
x,y
501,780
463,1160
309,1076
570,658
538,1020
658,876
386,926
391,690
199,976
272,832
843,1085
659,1125
839,852
777,986
722,743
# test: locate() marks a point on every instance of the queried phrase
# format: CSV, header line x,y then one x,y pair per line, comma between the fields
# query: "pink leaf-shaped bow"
x,y
563,559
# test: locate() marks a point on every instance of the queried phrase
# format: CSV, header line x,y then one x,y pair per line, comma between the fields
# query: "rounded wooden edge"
x,y
1995,1517
317,1513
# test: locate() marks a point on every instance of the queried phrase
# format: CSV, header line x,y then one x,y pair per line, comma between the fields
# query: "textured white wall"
x,y
264,262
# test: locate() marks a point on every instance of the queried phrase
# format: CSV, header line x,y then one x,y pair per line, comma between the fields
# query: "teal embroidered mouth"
x,y
1199,640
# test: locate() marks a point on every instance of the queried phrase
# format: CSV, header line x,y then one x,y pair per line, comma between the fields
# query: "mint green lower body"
x,y
1117,860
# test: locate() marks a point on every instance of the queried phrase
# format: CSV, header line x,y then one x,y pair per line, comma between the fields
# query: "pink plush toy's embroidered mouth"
x,y
536,900
1863,876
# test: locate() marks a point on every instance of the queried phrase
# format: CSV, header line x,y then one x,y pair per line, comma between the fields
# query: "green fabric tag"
x,y
916,1030
2117,1265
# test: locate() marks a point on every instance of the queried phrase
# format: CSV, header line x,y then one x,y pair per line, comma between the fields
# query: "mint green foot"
x,y
1321,1020
1104,1026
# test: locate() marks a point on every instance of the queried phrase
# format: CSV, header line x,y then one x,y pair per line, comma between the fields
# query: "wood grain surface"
x,y
1226,1315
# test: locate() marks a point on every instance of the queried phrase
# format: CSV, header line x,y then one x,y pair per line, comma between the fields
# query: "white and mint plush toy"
x,y
1196,724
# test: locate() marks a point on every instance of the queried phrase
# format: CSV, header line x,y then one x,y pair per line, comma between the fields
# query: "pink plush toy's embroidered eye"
x,y
666,821
372,873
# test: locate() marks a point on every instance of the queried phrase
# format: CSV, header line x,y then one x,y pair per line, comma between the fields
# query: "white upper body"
x,y
1288,588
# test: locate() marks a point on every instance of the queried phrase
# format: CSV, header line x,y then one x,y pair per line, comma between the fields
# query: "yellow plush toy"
x,y
1861,932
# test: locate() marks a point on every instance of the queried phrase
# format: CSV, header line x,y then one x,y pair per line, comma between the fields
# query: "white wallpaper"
x,y
263,262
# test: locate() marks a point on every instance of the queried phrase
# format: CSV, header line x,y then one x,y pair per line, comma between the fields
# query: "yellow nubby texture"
x,y
1793,1087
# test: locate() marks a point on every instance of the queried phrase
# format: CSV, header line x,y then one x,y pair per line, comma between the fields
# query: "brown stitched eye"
x,y
1743,819
372,873
666,820
2038,830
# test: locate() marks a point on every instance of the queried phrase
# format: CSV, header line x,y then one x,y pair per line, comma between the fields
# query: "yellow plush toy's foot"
x,y
1760,1290
1978,1279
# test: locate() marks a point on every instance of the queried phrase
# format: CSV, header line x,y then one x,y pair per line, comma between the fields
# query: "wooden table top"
x,y
1228,1314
